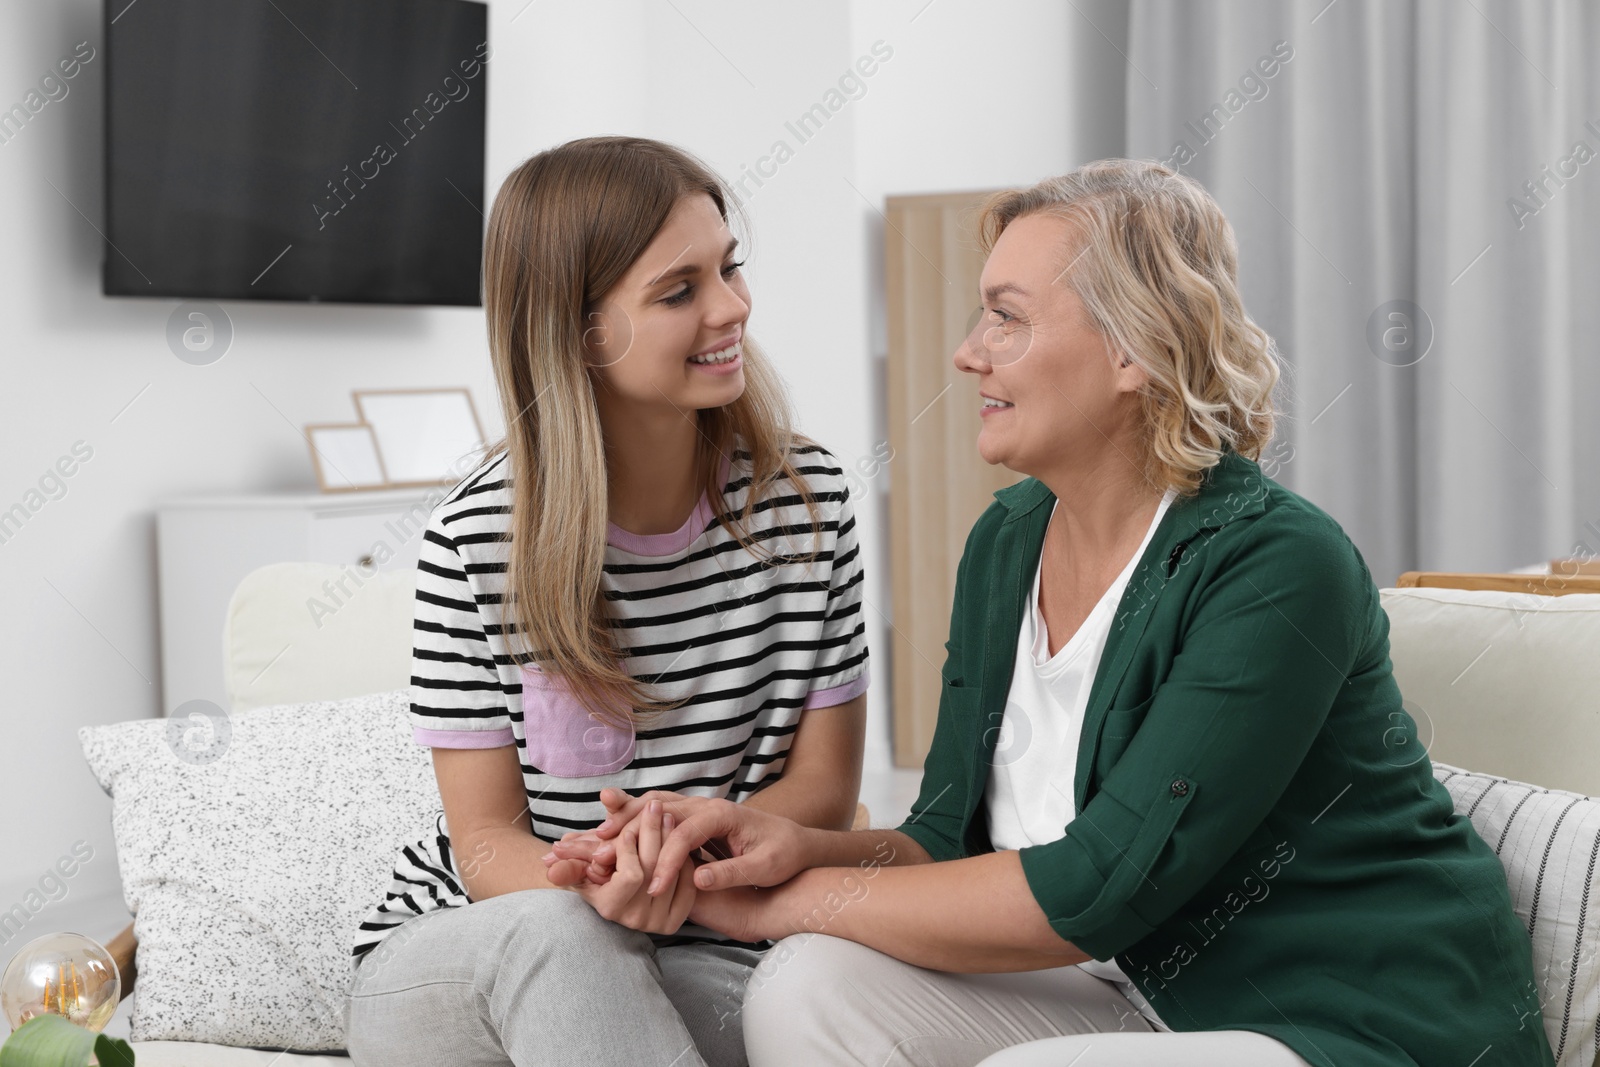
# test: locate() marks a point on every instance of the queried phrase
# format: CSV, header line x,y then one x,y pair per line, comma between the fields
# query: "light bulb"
x,y
62,974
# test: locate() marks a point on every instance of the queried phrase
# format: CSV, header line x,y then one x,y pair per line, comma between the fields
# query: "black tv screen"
x,y
312,150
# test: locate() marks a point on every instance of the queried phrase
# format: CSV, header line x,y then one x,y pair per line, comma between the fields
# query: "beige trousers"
x,y
817,1001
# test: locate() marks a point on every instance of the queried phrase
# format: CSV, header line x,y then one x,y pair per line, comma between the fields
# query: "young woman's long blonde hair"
x,y
1155,264
565,227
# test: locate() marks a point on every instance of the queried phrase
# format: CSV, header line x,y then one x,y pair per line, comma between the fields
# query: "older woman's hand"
x,y
744,913
750,847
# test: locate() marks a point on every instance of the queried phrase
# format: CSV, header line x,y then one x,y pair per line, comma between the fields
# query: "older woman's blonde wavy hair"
x,y
1154,263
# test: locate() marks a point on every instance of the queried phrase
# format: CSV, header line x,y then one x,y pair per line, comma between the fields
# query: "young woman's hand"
x,y
622,898
580,856
623,807
569,872
595,850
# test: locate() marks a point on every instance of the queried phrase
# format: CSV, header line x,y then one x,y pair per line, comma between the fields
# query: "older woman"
x,y
1163,819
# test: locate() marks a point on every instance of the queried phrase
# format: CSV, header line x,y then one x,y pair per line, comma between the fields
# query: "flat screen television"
x,y
309,150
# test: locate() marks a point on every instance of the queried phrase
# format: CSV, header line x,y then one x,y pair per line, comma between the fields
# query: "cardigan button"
x,y
1179,787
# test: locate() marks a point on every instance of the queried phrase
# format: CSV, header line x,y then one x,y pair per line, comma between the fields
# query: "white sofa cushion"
x,y
249,857
1548,841
1505,683
312,631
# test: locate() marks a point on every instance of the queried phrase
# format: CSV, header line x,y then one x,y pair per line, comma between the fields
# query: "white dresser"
x,y
206,545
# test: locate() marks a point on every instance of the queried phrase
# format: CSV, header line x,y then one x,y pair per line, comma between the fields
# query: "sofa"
x,y
1502,690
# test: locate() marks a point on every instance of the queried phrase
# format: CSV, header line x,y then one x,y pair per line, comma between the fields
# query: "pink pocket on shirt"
x,y
563,739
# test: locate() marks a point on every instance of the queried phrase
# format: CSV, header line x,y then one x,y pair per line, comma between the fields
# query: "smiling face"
x,y
670,331
1059,398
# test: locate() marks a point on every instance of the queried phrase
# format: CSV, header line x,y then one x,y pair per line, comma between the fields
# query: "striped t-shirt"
x,y
751,644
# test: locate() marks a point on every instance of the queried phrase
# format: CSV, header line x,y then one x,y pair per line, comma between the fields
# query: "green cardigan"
x,y
1259,839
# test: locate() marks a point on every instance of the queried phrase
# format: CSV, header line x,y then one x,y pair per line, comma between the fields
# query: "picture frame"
x,y
422,435
345,457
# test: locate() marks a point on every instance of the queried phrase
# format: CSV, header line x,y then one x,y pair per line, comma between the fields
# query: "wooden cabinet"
x,y
938,485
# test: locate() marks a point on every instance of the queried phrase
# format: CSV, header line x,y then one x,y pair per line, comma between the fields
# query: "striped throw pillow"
x,y
1548,842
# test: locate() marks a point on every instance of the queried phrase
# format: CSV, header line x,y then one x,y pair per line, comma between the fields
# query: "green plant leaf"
x,y
52,1041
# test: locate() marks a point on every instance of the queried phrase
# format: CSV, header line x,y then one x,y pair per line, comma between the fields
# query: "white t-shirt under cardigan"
x,y
1029,795
753,647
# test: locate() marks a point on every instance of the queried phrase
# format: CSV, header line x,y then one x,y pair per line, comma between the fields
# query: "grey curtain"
x,y
1414,187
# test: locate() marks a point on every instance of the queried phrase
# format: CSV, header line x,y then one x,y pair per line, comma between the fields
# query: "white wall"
x,y
81,630
974,95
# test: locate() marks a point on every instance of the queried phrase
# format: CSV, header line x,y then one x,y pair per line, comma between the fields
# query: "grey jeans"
x,y
539,978
821,1001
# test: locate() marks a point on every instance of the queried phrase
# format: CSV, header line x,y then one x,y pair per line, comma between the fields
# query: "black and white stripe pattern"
x,y
1548,841
751,645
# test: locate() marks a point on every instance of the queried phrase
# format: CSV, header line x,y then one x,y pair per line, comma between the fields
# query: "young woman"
x,y
1161,819
651,584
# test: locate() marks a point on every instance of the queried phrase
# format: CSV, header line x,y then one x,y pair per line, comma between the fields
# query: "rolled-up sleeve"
x,y
1278,619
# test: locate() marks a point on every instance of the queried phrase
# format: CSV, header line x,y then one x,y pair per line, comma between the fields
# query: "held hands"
x,y
750,847
592,854
621,897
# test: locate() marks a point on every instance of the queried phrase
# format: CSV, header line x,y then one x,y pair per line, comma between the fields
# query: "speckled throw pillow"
x,y
250,848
